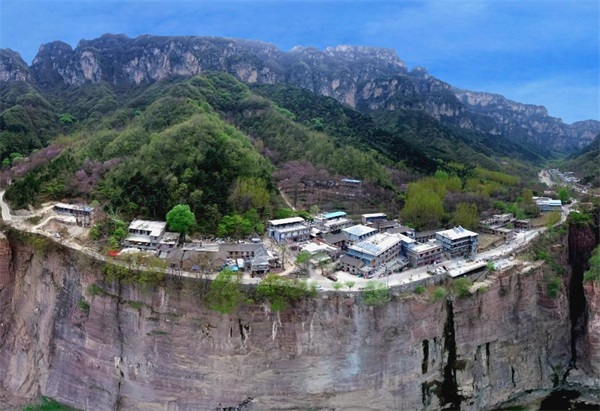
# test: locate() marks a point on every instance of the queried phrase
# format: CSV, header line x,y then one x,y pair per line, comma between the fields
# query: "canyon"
x,y
67,334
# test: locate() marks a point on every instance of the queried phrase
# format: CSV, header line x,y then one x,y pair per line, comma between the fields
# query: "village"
x,y
329,249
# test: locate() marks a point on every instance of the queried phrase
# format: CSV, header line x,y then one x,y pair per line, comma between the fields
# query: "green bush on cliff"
x,y
47,404
553,286
375,294
439,293
281,292
225,294
462,286
593,274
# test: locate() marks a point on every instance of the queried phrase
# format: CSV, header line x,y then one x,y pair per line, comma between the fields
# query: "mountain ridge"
x,y
364,78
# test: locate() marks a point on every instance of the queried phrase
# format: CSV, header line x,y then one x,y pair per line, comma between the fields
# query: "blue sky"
x,y
543,52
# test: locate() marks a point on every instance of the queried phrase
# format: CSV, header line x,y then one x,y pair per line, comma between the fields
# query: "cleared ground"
x,y
487,240
540,221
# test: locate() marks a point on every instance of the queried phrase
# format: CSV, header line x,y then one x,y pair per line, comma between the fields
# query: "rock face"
x,y
12,67
529,121
162,349
364,78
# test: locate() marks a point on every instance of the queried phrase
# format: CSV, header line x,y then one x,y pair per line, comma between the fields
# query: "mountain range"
x,y
363,78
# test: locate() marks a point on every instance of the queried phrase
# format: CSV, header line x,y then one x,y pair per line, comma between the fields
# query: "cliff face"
x,y
164,350
527,121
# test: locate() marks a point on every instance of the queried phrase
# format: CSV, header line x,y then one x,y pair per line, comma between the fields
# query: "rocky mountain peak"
x,y
358,53
12,67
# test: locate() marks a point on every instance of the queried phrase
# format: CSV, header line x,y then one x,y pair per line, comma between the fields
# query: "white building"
x,y
358,233
291,229
458,241
144,234
377,249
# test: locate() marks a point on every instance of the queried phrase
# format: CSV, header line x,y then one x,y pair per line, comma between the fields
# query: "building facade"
x,y
377,249
144,234
458,241
358,233
288,230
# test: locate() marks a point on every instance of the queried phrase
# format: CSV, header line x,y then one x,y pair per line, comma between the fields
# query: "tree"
x,y
337,286
181,220
424,207
563,195
466,215
225,293
282,248
375,294
350,284
303,260
462,286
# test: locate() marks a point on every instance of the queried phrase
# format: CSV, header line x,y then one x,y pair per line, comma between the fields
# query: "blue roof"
x,y
334,214
349,180
554,202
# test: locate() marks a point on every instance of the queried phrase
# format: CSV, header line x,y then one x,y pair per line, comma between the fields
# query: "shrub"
x,y
462,286
419,289
48,404
135,304
439,293
553,286
375,294
83,305
94,289
281,292
593,274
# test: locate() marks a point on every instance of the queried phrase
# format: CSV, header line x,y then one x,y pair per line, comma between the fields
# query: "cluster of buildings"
x,y
504,225
376,244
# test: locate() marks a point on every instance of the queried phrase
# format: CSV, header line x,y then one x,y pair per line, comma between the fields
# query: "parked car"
x,y
332,277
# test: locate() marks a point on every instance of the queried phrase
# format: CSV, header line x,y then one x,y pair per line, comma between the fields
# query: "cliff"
x,y
364,78
127,348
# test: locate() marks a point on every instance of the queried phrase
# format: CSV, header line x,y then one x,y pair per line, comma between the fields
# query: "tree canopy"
x,y
181,219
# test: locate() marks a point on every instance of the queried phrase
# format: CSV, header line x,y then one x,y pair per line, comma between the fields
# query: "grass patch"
x,y
94,289
135,304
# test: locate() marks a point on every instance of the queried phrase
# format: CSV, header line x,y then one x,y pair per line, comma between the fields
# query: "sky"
x,y
544,52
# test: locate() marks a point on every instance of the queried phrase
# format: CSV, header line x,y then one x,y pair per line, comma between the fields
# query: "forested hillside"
x,y
224,148
586,163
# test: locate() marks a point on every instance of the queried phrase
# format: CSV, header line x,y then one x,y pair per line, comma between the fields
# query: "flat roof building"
x,y
458,241
291,229
358,233
145,234
377,249
420,254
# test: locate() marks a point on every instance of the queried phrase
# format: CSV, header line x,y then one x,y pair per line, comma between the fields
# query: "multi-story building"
x,y
377,249
332,223
291,229
546,204
458,241
420,254
144,234
358,233
371,218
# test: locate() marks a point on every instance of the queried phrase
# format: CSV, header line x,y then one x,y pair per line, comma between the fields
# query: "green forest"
x,y
223,148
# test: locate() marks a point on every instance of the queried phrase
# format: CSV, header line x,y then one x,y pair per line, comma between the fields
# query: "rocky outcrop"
x,y
12,67
527,121
128,348
365,78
